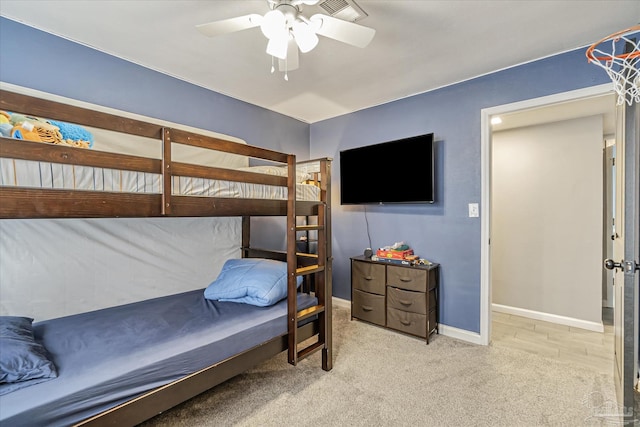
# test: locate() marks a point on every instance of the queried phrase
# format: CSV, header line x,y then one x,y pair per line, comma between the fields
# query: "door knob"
x,y
610,264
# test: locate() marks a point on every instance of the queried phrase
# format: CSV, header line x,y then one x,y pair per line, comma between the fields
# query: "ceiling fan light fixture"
x,y
273,24
289,32
305,36
277,47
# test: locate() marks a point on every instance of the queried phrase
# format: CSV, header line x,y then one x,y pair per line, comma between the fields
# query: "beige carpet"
x,y
382,378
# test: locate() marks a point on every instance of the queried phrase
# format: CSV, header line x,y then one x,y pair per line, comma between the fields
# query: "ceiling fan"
x,y
289,31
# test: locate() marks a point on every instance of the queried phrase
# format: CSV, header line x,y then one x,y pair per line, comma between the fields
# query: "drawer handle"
x,y
367,308
405,322
405,279
407,303
368,278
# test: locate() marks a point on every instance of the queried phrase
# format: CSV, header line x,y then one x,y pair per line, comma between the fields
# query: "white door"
x,y
609,231
626,250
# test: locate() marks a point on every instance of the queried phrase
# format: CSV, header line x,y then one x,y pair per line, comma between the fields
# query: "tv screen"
x,y
398,171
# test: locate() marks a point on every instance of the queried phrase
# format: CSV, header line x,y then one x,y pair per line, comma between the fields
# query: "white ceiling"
x,y
419,45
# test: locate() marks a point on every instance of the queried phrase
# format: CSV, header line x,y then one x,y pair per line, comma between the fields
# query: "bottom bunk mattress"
x,y
107,357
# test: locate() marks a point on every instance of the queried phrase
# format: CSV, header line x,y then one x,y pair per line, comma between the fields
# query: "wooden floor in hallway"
x,y
580,347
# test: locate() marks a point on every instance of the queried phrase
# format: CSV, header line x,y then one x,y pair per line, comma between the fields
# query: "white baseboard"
x,y
547,317
340,302
460,334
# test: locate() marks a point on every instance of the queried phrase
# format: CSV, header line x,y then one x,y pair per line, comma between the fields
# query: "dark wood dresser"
x,y
399,297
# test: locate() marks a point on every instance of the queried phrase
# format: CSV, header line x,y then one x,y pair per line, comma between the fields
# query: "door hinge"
x,y
631,267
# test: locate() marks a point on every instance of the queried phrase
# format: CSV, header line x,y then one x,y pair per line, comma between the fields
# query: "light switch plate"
x,y
474,211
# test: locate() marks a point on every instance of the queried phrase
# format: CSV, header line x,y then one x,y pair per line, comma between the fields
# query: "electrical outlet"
x,y
474,211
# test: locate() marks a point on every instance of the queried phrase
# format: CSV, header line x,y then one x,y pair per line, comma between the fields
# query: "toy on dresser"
x,y
399,253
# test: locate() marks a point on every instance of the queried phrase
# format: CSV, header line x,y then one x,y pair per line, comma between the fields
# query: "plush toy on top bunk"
x,y
18,126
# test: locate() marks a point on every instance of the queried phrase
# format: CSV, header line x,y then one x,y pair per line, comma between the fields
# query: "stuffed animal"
x,y
36,129
5,124
31,129
75,133
26,131
5,129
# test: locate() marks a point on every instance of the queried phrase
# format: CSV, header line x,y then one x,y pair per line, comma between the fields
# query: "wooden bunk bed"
x,y
313,324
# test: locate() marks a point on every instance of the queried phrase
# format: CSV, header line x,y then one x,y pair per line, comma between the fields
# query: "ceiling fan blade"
x,y
343,31
230,25
292,62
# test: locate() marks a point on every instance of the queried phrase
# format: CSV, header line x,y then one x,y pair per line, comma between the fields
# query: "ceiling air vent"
x,y
347,10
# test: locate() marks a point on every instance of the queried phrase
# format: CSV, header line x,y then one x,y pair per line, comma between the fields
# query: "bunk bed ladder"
x,y
318,271
308,264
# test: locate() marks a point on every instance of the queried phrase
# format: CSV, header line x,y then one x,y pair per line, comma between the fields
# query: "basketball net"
x,y
619,55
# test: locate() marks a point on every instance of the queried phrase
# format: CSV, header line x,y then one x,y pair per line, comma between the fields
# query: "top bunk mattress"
x,y
107,357
35,174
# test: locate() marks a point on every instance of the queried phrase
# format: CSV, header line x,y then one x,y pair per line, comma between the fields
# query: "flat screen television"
x,y
400,171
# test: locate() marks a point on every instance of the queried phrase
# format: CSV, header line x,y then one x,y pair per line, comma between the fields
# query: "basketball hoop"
x,y
619,55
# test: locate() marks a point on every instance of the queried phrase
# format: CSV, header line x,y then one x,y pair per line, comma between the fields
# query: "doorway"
x,y
552,105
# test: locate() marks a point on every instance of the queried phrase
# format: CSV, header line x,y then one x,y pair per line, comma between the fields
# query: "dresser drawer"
x,y
414,302
368,277
369,307
407,278
410,323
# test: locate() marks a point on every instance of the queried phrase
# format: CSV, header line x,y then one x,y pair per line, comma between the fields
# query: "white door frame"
x,y
485,178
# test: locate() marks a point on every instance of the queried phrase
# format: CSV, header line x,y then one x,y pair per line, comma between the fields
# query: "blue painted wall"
x,y
34,59
441,232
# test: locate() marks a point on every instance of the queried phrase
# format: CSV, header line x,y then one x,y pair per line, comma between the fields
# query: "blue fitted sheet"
x,y
109,356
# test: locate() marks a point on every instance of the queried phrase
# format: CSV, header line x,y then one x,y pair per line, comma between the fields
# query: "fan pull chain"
x,y
286,68
272,67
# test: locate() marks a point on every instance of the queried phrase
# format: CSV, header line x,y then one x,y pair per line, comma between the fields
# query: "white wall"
x,y
546,228
57,267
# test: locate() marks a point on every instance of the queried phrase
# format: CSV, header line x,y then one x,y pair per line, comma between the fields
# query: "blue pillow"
x,y
261,282
22,359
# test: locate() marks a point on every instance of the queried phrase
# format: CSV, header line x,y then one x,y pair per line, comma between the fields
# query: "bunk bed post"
x,y
321,288
166,171
246,236
325,196
292,262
